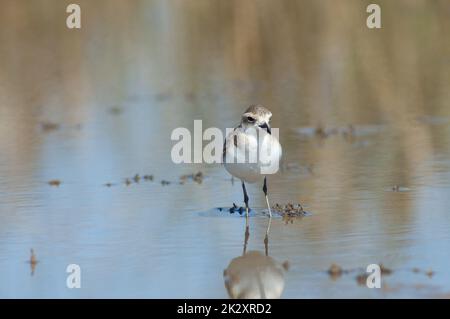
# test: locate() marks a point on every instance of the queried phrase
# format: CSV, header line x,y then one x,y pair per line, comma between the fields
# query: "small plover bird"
x,y
250,148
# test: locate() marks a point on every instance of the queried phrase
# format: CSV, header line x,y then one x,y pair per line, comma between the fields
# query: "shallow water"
x,y
365,132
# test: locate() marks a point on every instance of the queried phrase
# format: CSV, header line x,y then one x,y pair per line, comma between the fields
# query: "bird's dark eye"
x,y
250,119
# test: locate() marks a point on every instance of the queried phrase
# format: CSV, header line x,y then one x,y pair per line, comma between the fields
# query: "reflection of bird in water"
x,y
255,275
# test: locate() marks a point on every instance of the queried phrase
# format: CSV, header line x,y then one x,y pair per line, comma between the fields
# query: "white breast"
x,y
251,153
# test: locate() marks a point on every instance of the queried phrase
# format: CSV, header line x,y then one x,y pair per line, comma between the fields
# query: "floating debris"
x,y
108,184
321,132
429,273
198,178
164,182
384,270
128,182
49,126
32,261
54,182
335,271
136,178
362,279
148,178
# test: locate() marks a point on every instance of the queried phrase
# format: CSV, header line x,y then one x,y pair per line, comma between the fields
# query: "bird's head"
x,y
257,115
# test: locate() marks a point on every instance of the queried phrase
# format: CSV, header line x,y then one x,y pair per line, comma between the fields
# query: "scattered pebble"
x,y
54,182
430,273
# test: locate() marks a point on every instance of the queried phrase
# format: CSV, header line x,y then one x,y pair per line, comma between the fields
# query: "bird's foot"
x,y
237,209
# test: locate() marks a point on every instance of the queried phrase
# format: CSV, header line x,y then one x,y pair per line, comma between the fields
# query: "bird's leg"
x,y
246,237
245,199
247,232
266,239
267,198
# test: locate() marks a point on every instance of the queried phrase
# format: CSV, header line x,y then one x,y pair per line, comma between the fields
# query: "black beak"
x,y
267,127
